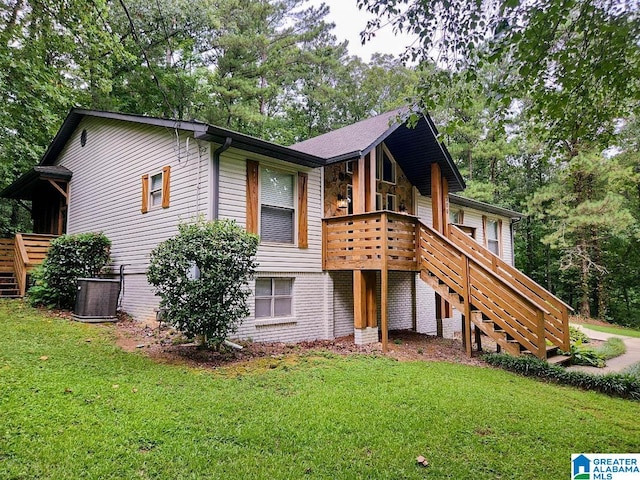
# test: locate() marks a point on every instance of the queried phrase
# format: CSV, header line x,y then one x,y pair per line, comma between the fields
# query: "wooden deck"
x,y
368,241
500,300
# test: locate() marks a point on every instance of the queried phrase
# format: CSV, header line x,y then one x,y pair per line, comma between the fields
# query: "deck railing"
x,y
482,282
557,318
480,288
30,249
365,241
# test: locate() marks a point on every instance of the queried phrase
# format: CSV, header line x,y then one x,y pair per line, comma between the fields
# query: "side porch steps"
x,y
503,340
8,285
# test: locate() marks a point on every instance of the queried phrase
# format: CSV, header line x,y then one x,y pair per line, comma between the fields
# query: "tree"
x,y
586,208
201,276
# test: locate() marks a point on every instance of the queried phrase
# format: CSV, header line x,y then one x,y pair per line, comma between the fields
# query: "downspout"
x,y
215,185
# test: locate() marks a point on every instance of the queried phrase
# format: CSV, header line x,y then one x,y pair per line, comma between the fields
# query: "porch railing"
x,y
30,249
365,241
557,317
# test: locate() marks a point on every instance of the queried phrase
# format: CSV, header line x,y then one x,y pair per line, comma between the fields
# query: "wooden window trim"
x,y
303,236
253,206
382,150
165,189
166,186
145,194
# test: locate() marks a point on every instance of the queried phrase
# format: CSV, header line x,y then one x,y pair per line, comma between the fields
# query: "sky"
x,y
350,22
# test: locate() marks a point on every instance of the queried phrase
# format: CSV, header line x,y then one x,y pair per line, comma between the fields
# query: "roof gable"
x,y
414,148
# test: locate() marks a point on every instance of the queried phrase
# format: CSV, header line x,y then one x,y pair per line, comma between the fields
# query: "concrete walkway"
x,y
616,364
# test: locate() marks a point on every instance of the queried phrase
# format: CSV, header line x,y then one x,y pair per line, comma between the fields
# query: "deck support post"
x,y
365,318
384,286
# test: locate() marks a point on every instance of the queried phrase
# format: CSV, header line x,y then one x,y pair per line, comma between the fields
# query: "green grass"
x,y
313,416
629,332
611,348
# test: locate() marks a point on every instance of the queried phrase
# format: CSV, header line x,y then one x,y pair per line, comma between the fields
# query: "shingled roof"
x,y
415,148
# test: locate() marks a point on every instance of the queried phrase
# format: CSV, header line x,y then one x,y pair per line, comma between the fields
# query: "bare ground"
x,y
165,345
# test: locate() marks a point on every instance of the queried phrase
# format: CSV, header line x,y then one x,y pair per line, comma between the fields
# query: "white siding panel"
x,y
273,257
105,193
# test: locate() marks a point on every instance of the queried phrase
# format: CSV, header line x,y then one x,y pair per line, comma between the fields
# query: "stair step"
x,y
559,360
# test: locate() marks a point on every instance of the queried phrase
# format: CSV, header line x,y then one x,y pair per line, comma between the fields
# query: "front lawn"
x,y
628,332
75,406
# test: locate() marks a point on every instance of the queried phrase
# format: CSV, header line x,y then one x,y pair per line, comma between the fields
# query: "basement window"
x,y
274,297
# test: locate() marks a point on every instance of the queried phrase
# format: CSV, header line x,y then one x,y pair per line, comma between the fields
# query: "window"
x,y
378,201
273,297
277,209
385,165
492,233
391,202
155,190
349,167
456,217
350,199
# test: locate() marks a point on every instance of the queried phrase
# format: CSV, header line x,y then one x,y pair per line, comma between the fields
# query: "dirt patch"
x,y
165,345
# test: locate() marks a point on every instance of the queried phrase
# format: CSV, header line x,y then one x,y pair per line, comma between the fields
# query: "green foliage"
x,y
585,355
211,302
613,347
633,370
576,335
614,384
70,257
91,410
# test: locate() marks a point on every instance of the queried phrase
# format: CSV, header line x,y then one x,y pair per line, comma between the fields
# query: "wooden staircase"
x,y
499,300
18,258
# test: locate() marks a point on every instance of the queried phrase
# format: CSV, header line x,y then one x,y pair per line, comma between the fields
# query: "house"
x,y
361,230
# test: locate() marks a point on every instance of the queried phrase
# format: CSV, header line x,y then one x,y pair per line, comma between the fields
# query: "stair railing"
x,y
556,321
520,316
20,263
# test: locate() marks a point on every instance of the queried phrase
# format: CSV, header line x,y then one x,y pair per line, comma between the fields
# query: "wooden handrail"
x,y
23,262
498,299
366,241
20,262
556,321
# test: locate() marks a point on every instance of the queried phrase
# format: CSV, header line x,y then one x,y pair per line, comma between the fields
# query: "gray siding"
x,y
273,257
105,193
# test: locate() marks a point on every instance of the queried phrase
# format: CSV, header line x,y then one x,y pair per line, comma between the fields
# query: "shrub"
x,y
613,347
633,370
614,384
69,257
581,355
576,335
201,276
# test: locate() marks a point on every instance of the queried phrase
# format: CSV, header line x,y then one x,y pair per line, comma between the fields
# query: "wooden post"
x,y
370,203
384,286
371,303
358,186
359,300
467,305
542,344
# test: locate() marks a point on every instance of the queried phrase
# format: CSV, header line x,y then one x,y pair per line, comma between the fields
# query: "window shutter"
x,y
145,194
252,197
166,181
303,240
